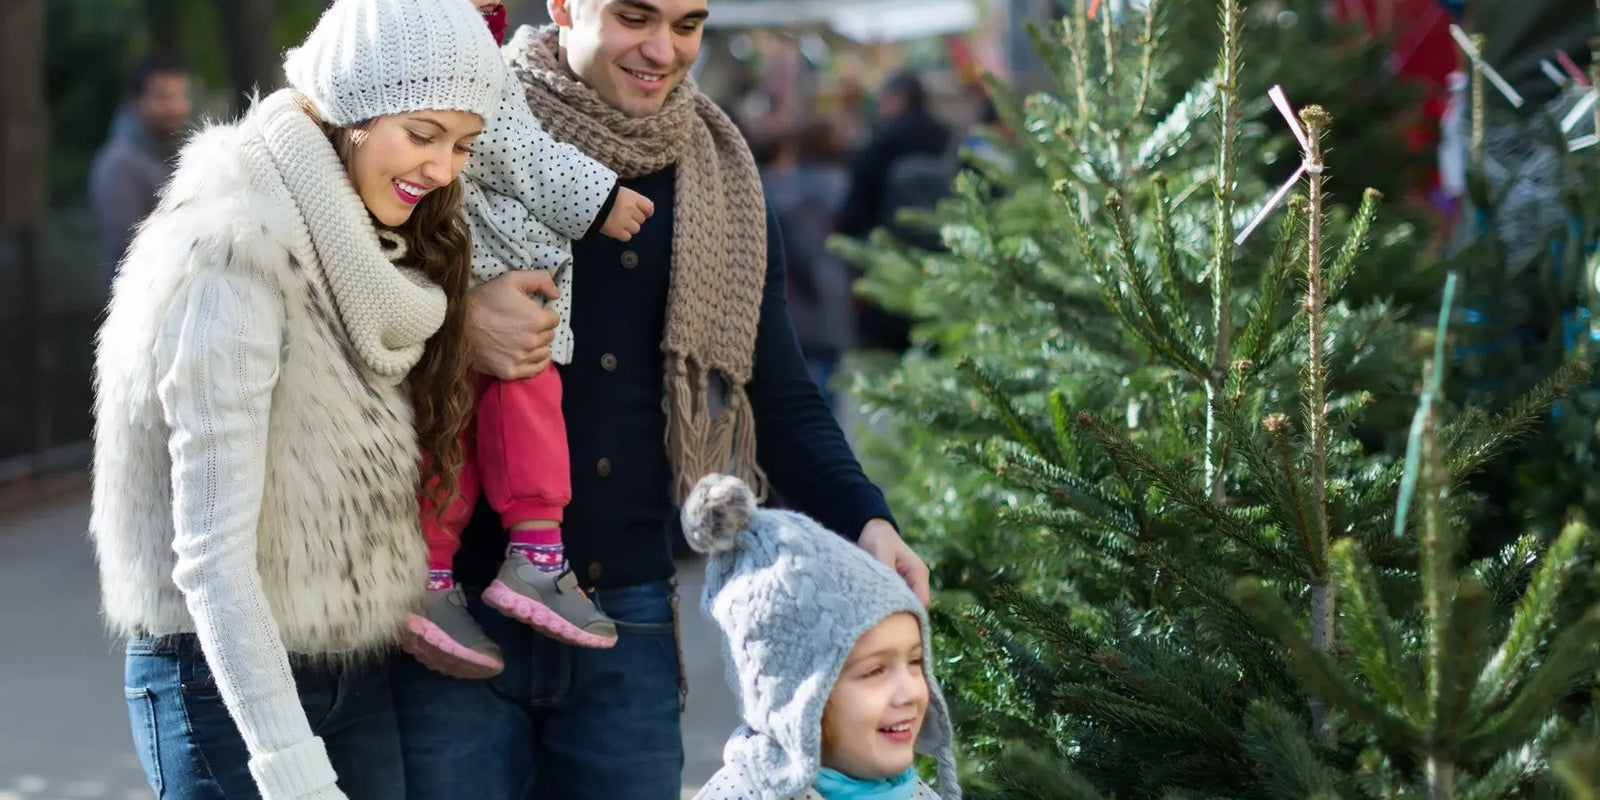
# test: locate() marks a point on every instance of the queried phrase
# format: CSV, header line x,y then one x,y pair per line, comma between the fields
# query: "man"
x,y
129,170
690,318
908,162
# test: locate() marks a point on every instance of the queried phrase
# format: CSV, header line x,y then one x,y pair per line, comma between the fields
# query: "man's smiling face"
x,y
633,53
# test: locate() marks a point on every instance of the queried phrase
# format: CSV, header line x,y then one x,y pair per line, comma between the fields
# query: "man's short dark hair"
x,y
908,86
157,63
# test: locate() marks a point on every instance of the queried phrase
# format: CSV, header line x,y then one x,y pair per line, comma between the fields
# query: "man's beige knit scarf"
x,y
719,249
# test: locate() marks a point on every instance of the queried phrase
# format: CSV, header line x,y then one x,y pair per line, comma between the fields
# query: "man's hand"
x,y
884,543
627,215
511,332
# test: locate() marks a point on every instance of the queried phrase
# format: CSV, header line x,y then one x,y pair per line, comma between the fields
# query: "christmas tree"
x,y
1169,568
1525,243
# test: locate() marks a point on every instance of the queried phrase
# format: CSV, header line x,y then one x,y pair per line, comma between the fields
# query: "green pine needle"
x,y
1369,632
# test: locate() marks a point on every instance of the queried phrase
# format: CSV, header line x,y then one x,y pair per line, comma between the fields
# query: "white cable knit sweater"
x,y
255,454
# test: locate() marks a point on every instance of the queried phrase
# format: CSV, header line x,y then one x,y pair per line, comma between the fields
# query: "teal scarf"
x,y
835,785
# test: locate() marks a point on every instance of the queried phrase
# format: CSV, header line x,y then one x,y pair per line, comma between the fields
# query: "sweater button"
x,y
594,572
603,467
630,259
608,362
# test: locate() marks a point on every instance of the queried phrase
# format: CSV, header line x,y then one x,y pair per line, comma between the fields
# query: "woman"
x,y
298,288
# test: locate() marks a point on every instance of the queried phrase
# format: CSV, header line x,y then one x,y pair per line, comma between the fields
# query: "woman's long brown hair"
x,y
439,244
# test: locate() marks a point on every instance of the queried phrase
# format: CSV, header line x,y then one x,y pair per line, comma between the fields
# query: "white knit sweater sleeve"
x,y
218,360
529,186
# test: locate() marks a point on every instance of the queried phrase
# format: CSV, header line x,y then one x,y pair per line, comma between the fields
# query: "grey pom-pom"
x,y
717,511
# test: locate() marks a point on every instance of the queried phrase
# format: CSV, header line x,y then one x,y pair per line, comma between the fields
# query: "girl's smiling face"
x,y
879,703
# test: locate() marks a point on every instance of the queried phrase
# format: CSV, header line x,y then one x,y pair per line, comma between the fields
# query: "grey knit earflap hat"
x,y
792,599
371,58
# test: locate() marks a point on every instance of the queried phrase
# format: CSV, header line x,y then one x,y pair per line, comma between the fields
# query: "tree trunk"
x,y
24,205
249,38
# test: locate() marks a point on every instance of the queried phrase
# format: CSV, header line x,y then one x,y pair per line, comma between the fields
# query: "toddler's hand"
x,y
627,215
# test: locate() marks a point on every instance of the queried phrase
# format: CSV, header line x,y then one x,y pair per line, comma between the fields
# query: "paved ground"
x,y
63,722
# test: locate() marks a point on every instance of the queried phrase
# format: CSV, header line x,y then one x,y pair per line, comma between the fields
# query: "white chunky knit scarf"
x,y
388,311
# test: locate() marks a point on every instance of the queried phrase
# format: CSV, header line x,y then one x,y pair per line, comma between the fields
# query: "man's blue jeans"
x,y
191,749
560,721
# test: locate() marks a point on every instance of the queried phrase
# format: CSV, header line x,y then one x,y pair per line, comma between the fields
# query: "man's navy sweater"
x,y
619,527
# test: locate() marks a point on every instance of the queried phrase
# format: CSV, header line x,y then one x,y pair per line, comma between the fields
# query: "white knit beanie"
x,y
369,58
792,599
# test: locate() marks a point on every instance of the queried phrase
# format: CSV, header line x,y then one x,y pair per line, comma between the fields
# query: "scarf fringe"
x,y
698,444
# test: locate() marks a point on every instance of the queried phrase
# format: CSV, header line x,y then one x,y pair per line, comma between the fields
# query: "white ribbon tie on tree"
x,y
1282,102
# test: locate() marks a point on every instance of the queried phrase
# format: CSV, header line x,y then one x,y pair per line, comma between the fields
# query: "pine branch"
x,y
1029,775
1163,339
1071,524
1111,83
1077,39
1356,243
1180,124
1520,420
1368,630
1001,402
1130,715
1166,250
1023,667
1277,426
1253,648
1315,388
1463,646
1049,621
1055,57
1221,271
1571,655
1275,281
1289,761
1316,668
1147,57
1182,492
1272,472
1530,624
1316,123
1578,764
1440,545
1510,770
1141,679
1065,431
1024,469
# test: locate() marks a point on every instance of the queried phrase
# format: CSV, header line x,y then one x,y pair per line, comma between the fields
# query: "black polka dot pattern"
x,y
527,197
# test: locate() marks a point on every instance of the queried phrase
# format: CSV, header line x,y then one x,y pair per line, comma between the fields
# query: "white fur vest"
x,y
339,548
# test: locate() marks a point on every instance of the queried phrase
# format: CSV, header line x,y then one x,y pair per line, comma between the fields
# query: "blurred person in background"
x,y
908,162
806,180
130,168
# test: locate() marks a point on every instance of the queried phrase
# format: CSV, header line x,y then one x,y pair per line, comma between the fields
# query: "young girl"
x,y
286,333
828,651
527,198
